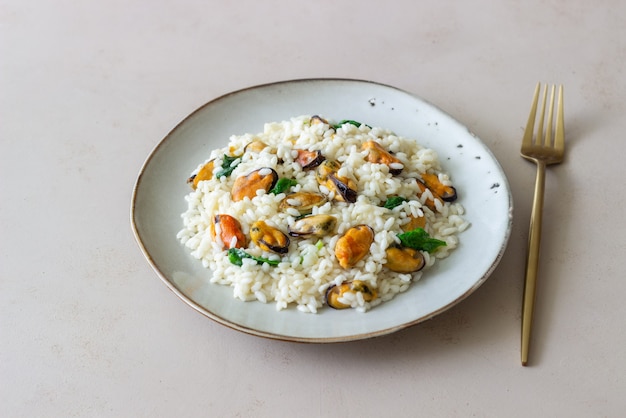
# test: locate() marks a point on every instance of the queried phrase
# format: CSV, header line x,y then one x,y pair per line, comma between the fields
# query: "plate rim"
x,y
300,339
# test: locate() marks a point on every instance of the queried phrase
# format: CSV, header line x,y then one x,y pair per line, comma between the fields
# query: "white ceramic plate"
x,y
158,201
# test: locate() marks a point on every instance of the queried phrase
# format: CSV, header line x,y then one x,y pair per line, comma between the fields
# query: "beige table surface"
x,y
88,88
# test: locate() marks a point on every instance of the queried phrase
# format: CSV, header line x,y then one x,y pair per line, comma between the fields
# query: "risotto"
x,y
312,213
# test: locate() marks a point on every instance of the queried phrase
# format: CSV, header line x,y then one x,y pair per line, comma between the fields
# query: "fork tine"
x,y
527,141
539,134
559,135
548,139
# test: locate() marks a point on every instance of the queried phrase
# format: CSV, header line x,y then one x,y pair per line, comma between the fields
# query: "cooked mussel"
x,y
446,193
255,146
309,159
204,173
414,223
303,202
354,245
315,119
334,293
378,155
430,202
326,169
230,232
269,238
344,188
313,226
404,259
247,185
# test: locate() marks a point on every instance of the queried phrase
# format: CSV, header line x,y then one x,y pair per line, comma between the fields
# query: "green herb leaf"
x,y
283,185
419,239
236,256
227,166
394,201
351,122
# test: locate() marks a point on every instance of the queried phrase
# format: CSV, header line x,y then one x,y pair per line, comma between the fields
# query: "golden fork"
x,y
543,150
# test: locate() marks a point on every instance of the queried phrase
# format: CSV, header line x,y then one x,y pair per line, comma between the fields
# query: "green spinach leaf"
x,y
282,185
227,166
419,239
236,256
394,201
350,121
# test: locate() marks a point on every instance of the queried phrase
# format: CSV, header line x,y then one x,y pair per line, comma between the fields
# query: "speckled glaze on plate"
x,y
158,201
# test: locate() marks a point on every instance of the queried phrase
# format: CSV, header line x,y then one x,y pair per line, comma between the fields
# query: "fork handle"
x,y
532,261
